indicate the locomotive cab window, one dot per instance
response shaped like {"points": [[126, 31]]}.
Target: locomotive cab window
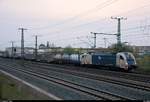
{"points": [[82, 56], [121, 58], [129, 57]]}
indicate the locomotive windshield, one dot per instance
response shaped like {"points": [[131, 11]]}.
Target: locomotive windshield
{"points": [[130, 58]]}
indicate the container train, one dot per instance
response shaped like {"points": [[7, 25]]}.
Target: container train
{"points": [[120, 61]]}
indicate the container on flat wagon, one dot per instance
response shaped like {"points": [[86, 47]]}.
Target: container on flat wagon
{"points": [[75, 59]]}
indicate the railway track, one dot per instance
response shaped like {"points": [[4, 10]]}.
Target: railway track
{"points": [[41, 68], [92, 92], [132, 76], [120, 81], [98, 71]]}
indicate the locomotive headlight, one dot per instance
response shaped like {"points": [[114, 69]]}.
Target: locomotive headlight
{"points": [[135, 62], [126, 65]]}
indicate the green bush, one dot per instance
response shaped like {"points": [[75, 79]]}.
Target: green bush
{"points": [[121, 48], [144, 63]]}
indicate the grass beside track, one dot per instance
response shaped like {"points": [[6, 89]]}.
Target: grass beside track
{"points": [[11, 90]]}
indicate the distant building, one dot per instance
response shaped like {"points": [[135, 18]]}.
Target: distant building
{"points": [[17, 51], [42, 46], [47, 46], [141, 50], [1, 53]]}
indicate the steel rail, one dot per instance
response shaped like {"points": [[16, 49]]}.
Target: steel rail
{"points": [[87, 90], [120, 81], [78, 75]]}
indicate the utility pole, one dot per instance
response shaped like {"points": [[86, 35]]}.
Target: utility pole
{"points": [[36, 45], [48, 45], [36, 49], [105, 41], [94, 40], [22, 42], [101, 34], [12, 48], [119, 28]]}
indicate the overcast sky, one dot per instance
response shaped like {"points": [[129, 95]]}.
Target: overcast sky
{"points": [[69, 22]]}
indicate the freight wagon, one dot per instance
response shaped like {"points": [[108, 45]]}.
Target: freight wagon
{"points": [[67, 59]]}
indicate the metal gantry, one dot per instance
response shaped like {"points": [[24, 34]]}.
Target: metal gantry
{"points": [[118, 34], [101, 34]]}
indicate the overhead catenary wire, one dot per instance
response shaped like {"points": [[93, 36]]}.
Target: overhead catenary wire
{"points": [[85, 13], [141, 40], [71, 38], [131, 29], [78, 25], [130, 11], [126, 29], [87, 23], [65, 39]]}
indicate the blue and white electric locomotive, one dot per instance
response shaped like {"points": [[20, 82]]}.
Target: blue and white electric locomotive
{"points": [[123, 60]]}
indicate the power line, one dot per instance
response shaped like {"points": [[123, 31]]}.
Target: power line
{"points": [[135, 35], [136, 9], [85, 42], [97, 20], [127, 29], [98, 7], [114, 15], [80, 25], [69, 38], [85, 24], [139, 39]]}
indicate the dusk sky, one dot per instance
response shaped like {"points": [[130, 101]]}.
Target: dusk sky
{"points": [[69, 22]]}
